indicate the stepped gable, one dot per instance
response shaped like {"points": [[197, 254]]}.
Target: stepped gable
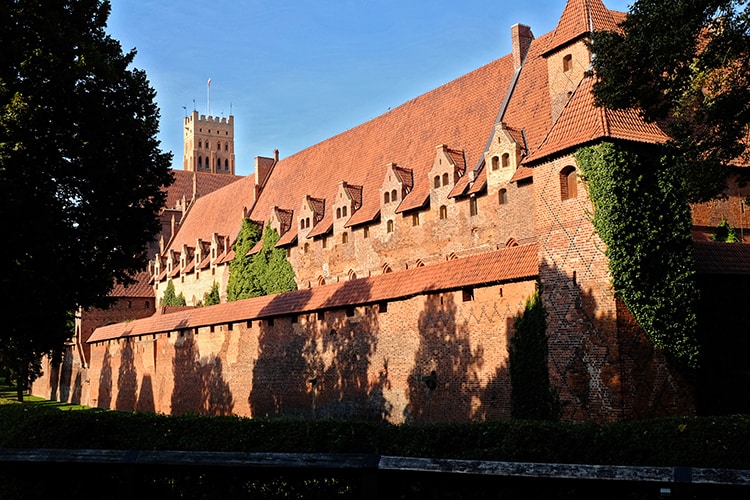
{"points": [[580, 18], [217, 212], [205, 183], [581, 122], [460, 114], [504, 265]]}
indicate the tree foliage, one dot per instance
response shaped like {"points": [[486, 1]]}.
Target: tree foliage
{"points": [[686, 66], [170, 297], [641, 214], [266, 272], [212, 298], [81, 169], [531, 393]]}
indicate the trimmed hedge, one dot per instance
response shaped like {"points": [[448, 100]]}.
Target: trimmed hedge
{"points": [[722, 442]]}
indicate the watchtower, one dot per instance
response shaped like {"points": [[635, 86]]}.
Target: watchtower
{"points": [[209, 144]]}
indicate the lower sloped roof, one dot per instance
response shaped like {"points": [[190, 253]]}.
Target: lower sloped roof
{"points": [[504, 265]]}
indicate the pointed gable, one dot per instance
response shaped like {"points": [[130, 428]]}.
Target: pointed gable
{"points": [[580, 18], [581, 122]]}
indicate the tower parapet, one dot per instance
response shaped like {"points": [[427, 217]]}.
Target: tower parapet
{"points": [[209, 144]]}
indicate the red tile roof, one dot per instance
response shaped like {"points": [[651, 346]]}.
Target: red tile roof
{"points": [[507, 264], [461, 113], [722, 258], [529, 109], [141, 287], [582, 122], [205, 183], [579, 18], [217, 212]]}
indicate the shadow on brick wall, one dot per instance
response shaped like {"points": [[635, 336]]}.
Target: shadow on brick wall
{"points": [[104, 396], [199, 385], [318, 366], [127, 383], [444, 382], [602, 365]]}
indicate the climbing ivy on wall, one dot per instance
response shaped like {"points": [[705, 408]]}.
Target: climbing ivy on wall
{"points": [[532, 396], [241, 284], [264, 273], [642, 215]]}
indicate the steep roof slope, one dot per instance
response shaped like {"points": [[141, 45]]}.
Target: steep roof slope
{"points": [[205, 182], [460, 114], [217, 212], [581, 122], [579, 18]]}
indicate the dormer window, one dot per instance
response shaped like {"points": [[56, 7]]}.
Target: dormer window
{"points": [[568, 63], [495, 163], [343, 211], [506, 160], [394, 196], [437, 181], [386, 197], [445, 179], [338, 213]]}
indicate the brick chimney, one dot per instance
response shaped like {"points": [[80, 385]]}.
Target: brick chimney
{"points": [[521, 37]]}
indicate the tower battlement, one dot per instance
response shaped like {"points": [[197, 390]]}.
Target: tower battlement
{"points": [[209, 144]]}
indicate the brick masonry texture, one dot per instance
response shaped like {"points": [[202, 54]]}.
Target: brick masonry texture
{"points": [[371, 361], [415, 239]]}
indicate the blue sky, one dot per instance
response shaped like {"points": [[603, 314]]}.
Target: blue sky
{"points": [[294, 73]]}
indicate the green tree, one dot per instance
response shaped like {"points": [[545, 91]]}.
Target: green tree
{"points": [[81, 170], [170, 298], [241, 283], [532, 396], [212, 298], [686, 66]]}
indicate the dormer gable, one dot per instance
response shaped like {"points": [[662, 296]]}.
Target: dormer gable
{"points": [[503, 155], [186, 256], [311, 212], [448, 167], [348, 200], [173, 262], [398, 183], [281, 219], [217, 247]]}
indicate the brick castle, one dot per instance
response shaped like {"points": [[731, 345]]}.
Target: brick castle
{"points": [[416, 238]]}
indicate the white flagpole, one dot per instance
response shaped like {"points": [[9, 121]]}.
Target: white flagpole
{"points": [[209, 97]]}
